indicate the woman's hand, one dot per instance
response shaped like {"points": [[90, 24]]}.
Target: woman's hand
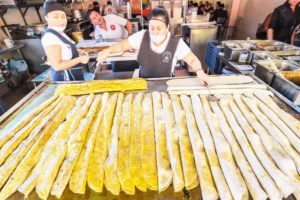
{"points": [[82, 52], [203, 77], [102, 55], [84, 59]]}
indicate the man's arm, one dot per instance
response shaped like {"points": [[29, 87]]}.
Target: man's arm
{"points": [[273, 24], [129, 27], [270, 34]]}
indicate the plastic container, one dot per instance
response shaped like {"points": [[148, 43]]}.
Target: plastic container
{"points": [[211, 59]]}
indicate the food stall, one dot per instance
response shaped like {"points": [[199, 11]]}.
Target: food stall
{"points": [[116, 136]]}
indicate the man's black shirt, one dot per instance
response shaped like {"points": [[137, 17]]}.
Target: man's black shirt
{"points": [[283, 21]]}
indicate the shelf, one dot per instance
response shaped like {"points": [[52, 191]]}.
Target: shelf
{"points": [[15, 47]]}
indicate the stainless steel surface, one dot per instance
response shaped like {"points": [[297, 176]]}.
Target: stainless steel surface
{"points": [[278, 95], [232, 52], [39, 29], [287, 88], [77, 14], [198, 38]]}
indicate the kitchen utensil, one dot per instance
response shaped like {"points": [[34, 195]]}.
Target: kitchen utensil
{"points": [[211, 97]]}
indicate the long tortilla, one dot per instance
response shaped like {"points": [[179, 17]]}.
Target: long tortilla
{"points": [[289, 120], [78, 179], [19, 136], [165, 175], [149, 170], [111, 181], [215, 80], [231, 173], [209, 147], [135, 156], [101, 149], [173, 144], [208, 189], [38, 138], [74, 144], [187, 158], [23, 169], [274, 131], [257, 193], [9, 133], [68, 129], [126, 181]]}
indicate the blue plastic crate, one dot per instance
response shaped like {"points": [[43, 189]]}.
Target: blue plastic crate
{"points": [[211, 59]]}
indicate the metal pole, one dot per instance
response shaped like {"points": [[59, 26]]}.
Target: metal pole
{"points": [[142, 17]]}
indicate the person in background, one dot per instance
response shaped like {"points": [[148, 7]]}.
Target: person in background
{"points": [[96, 6], [65, 61], [283, 20], [109, 9], [190, 4], [158, 50], [201, 10], [219, 13], [112, 27], [262, 30], [200, 3], [210, 8], [206, 5], [109, 26]]}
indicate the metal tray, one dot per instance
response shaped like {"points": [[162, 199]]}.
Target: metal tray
{"points": [[287, 89], [232, 51], [282, 65], [264, 43], [263, 73], [295, 52], [261, 55], [293, 58]]}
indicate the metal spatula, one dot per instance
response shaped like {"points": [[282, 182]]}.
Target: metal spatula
{"points": [[210, 96], [98, 67]]}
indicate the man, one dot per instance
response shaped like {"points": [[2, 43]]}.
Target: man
{"points": [[109, 9], [113, 27], [284, 18], [96, 6], [219, 13], [109, 26]]}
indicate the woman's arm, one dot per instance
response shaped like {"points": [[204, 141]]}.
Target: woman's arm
{"points": [[119, 47], [53, 53], [195, 63]]}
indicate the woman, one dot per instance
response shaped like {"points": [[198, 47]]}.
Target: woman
{"points": [[61, 52], [158, 50], [201, 10], [283, 19]]}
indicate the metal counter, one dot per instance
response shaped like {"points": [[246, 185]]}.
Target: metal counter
{"points": [[44, 92]]}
